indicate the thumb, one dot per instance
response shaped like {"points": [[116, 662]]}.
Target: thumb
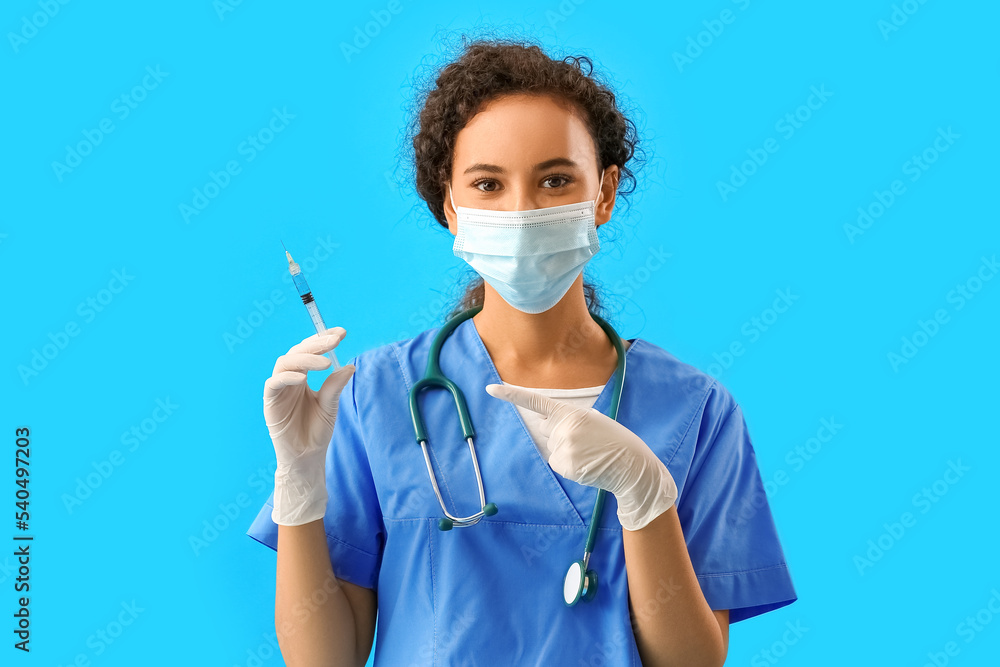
{"points": [[329, 393]]}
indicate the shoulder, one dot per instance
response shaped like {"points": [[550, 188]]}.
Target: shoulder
{"points": [[395, 361], [665, 376], [678, 409]]}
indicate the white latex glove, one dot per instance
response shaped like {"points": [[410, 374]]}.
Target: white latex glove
{"points": [[590, 448], [300, 422]]}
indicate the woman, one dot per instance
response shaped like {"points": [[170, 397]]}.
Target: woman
{"points": [[520, 157]]}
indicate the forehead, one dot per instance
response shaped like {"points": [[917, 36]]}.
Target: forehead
{"points": [[516, 130]]}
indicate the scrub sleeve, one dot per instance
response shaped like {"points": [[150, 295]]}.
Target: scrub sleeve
{"points": [[724, 513], [353, 524]]}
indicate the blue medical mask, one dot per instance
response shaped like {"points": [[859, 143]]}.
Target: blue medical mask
{"points": [[531, 258]]}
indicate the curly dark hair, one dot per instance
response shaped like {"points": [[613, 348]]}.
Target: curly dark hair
{"points": [[488, 68]]}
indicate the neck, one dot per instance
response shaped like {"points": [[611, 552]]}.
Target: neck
{"points": [[561, 348]]}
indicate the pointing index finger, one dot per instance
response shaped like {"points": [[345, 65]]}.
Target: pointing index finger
{"points": [[526, 399]]}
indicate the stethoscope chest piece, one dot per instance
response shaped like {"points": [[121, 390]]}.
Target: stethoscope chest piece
{"points": [[579, 584]]}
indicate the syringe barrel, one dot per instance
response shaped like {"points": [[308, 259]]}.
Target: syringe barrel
{"points": [[301, 285], [317, 321]]}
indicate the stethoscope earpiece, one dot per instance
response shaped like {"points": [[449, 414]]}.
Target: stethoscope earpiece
{"points": [[445, 523]]}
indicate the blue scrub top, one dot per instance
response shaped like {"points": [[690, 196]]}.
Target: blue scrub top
{"points": [[495, 590]]}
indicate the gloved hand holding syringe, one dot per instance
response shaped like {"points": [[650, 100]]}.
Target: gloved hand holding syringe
{"points": [[299, 420], [307, 299]]}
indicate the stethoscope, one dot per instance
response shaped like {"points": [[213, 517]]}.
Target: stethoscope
{"points": [[580, 583]]}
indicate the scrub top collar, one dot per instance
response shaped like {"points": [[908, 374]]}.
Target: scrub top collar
{"points": [[578, 499], [603, 401]]}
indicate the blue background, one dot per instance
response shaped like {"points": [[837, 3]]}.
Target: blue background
{"points": [[330, 185]]}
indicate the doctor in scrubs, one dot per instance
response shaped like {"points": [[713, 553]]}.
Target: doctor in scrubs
{"points": [[520, 157]]}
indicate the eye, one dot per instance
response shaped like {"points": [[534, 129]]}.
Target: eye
{"points": [[483, 181], [562, 179]]}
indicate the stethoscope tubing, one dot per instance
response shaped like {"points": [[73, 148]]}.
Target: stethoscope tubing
{"points": [[434, 377]]}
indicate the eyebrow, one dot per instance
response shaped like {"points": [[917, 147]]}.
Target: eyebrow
{"points": [[497, 169]]}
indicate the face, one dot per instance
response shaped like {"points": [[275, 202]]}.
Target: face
{"points": [[522, 152]]}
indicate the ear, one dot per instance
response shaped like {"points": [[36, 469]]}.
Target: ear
{"points": [[449, 213], [607, 199]]}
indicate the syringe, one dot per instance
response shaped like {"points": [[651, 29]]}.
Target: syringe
{"points": [[307, 299]]}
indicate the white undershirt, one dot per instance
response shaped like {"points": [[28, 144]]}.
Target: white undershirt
{"points": [[582, 397]]}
